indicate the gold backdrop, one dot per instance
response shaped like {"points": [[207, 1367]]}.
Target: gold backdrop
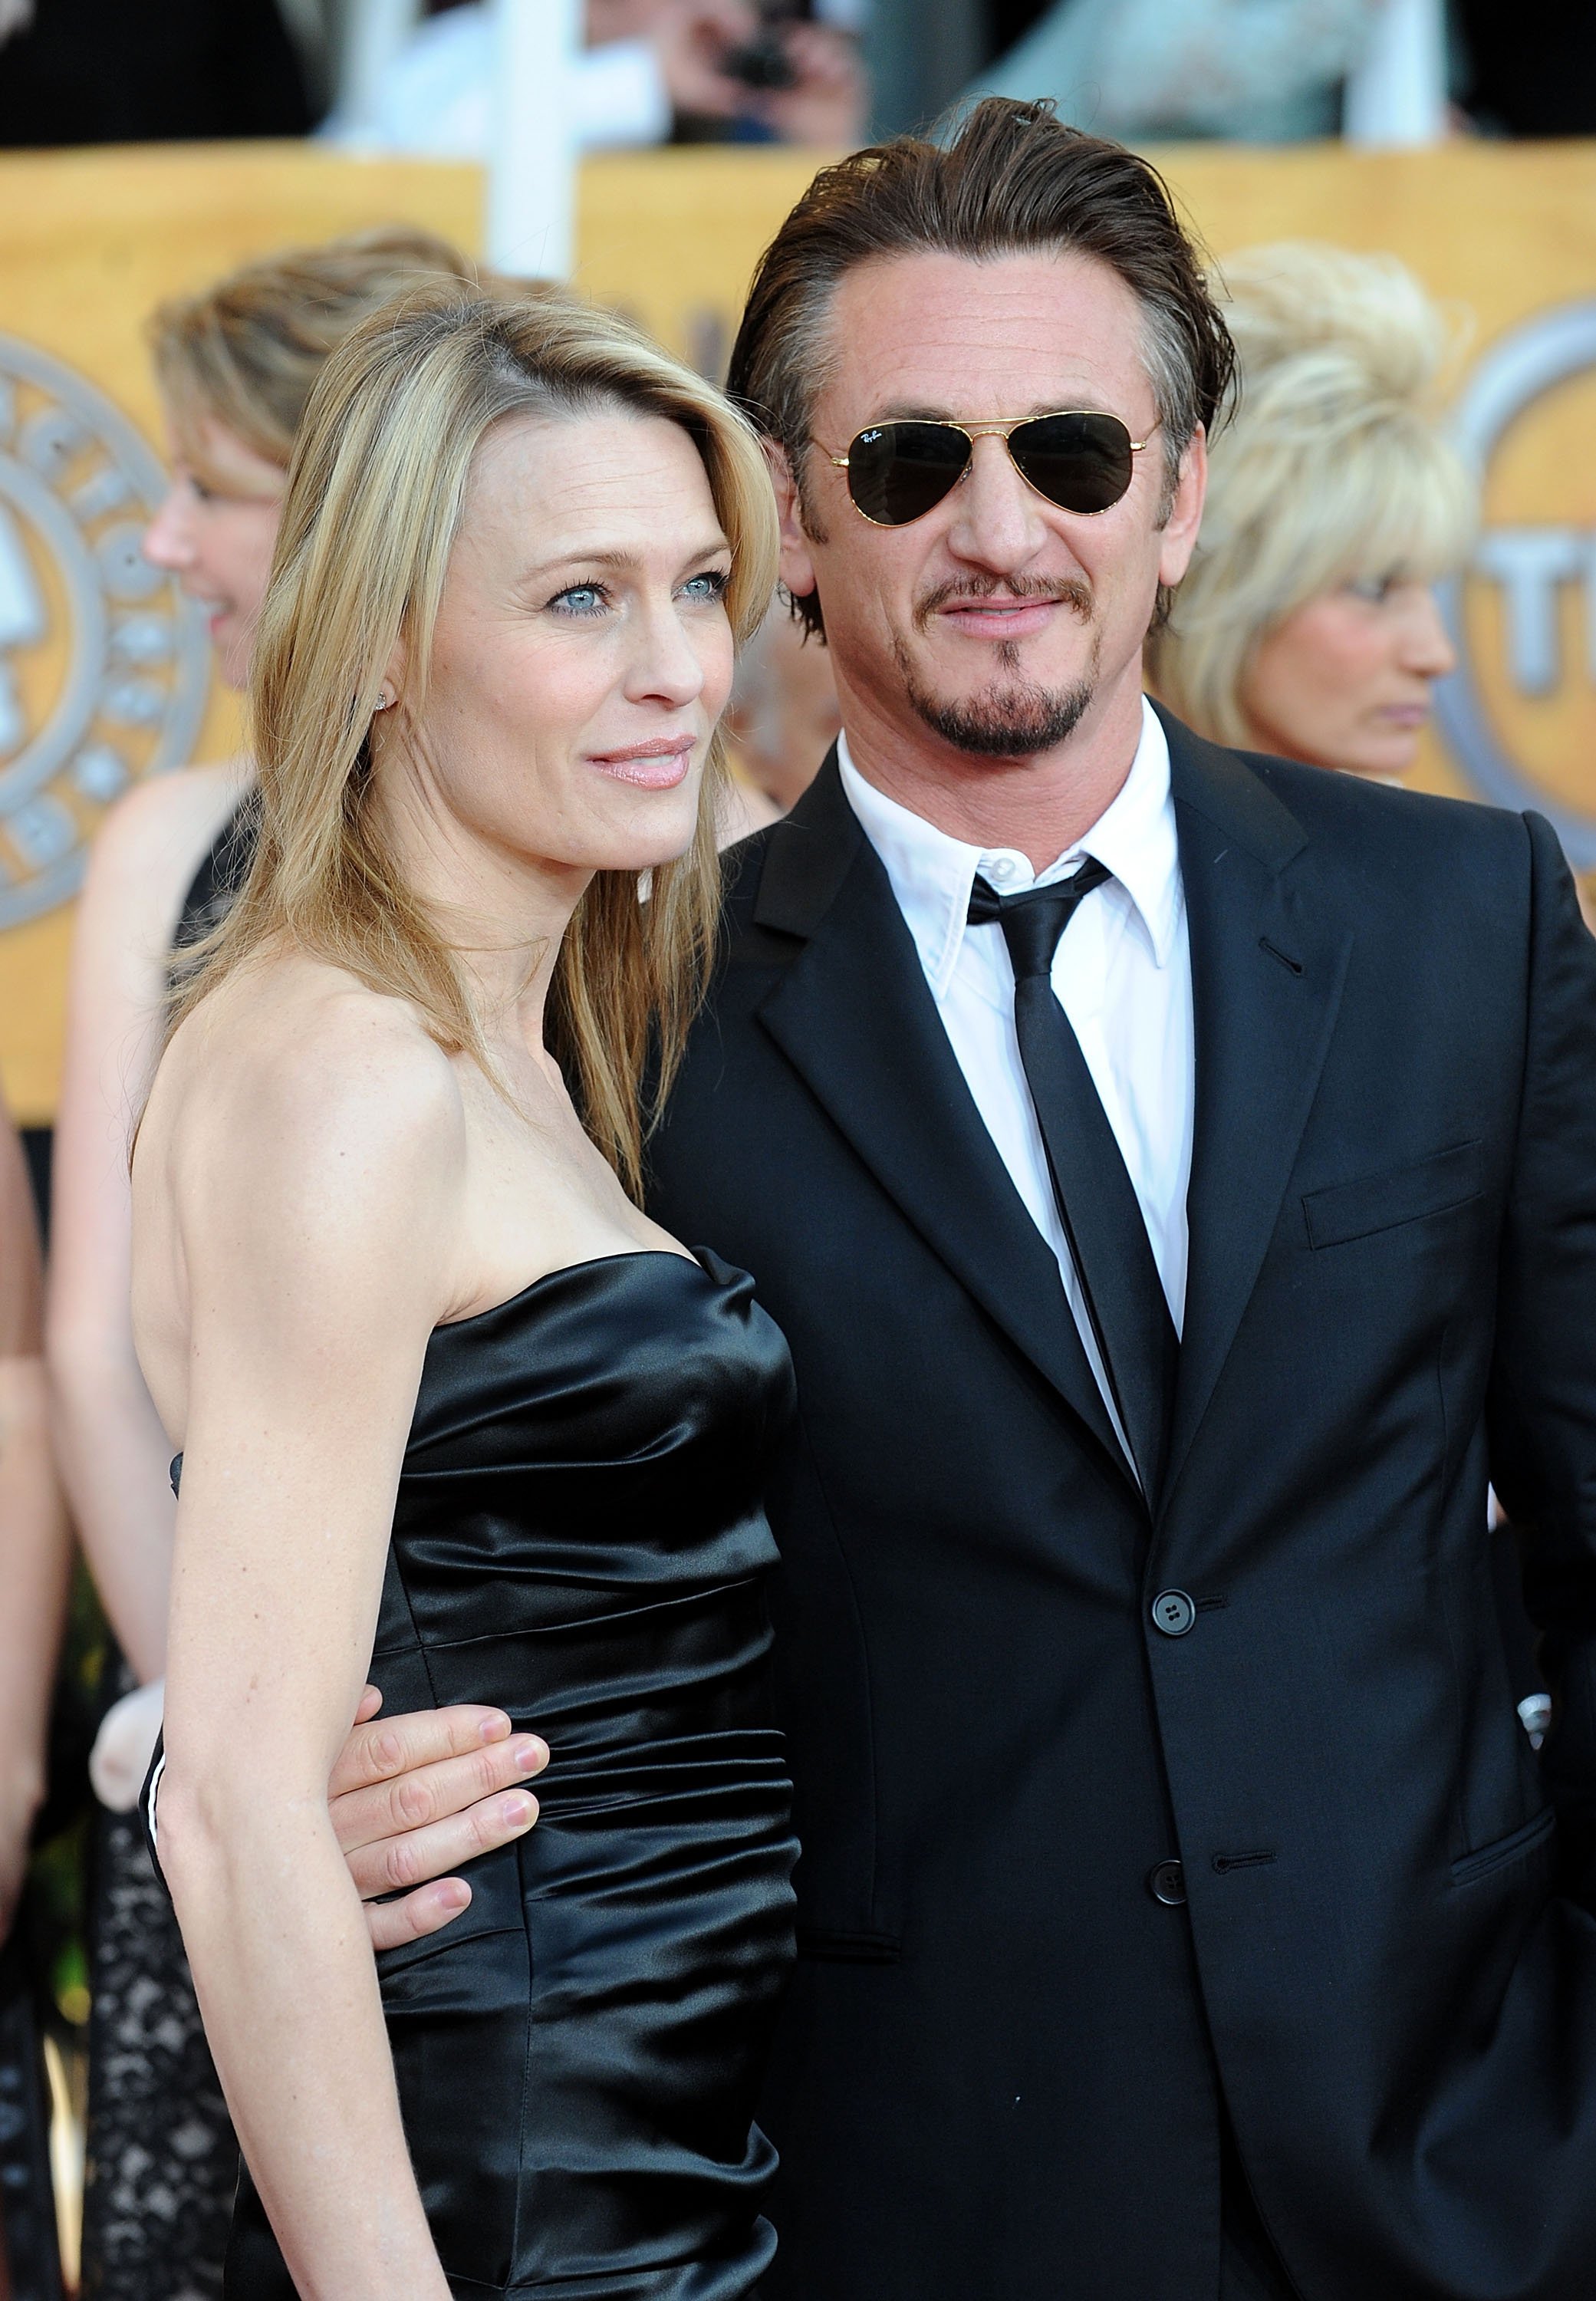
{"points": [[103, 673]]}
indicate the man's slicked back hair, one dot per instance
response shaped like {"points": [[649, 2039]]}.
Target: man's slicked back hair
{"points": [[1013, 179]]}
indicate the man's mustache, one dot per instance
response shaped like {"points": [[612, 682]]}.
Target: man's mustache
{"points": [[1069, 591]]}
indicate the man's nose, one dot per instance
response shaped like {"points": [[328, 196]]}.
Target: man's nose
{"points": [[167, 541], [997, 520]]}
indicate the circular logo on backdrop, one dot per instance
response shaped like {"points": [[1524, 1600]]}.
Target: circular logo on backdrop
{"points": [[1520, 711], [104, 663]]}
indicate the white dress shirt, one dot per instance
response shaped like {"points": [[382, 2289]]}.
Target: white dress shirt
{"points": [[1122, 972]]}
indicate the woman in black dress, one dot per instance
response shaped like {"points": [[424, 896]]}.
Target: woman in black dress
{"points": [[236, 362], [444, 1394]]}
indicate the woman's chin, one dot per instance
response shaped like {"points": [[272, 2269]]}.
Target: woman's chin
{"points": [[1387, 758], [233, 654], [646, 830]]}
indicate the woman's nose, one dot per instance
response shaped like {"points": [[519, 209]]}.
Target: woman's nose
{"points": [[1427, 647], [667, 666], [168, 541]]}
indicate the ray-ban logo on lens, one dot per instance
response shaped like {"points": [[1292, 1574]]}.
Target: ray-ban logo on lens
{"points": [[104, 663], [1520, 711]]}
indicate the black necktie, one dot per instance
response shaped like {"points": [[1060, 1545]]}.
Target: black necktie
{"points": [[1102, 1219]]}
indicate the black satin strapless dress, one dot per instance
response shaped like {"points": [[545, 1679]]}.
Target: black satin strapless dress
{"points": [[579, 1539]]}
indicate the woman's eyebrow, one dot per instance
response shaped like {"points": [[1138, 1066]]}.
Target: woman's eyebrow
{"points": [[617, 557]]}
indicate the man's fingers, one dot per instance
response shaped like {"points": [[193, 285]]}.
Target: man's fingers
{"points": [[414, 1800], [370, 1702], [378, 1750], [424, 1912], [390, 1864]]}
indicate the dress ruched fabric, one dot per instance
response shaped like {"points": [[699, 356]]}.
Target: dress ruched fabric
{"points": [[579, 1539]]}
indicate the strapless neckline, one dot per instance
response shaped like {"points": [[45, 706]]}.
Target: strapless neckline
{"points": [[694, 1261], [699, 1262]]}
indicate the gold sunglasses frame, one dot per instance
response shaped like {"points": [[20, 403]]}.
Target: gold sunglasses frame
{"points": [[1001, 427]]}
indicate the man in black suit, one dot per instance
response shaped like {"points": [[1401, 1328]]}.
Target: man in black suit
{"points": [[1183, 1912]]}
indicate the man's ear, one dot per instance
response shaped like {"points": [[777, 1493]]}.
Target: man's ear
{"points": [[1178, 538], [797, 564]]}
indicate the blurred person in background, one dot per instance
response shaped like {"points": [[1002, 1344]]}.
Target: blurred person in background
{"points": [[35, 1561], [1278, 70], [35, 1546], [1307, 624], [99, 71], [1262, 70], [650, 68], [236, 364], [784, 716]]}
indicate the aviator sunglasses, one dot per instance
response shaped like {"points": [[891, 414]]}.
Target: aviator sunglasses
{"points": [[1080, 460]]}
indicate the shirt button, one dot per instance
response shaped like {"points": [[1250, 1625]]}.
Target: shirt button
{"points": [[1174, 1613], [1166, 1883], [1002, 868]]}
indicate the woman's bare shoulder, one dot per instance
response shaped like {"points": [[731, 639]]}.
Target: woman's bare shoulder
{"points": [[303, 1048], [301, 1117], [179, 809], [156, 836]]}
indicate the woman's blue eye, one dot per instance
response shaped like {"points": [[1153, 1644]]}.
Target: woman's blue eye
{"points": [[1374, 589], [581, 600], [710, 586]]}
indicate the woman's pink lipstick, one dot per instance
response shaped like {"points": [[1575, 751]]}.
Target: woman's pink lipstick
{"points": [[658, 766]]}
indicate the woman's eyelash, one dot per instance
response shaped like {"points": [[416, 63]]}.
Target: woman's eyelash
{"points": [[597, 592], [597, 595]]}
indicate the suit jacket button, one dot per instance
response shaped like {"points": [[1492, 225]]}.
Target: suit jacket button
{"points": [[1174, 1613], [1167, 1884]]}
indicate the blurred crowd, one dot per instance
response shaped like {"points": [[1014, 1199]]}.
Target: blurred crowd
{"points": [[411, 75]]}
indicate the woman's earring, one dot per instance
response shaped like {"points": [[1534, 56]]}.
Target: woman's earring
{"points": [[384, 699]]}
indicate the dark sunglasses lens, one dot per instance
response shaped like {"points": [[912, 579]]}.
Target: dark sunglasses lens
{"points": [[1080, 462], [898, 471]]}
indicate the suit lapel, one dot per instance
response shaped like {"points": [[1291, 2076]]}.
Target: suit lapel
{"points": [[855, 1017], [1266, 976]]}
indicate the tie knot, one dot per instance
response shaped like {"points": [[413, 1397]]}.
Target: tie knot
{"points": [[1033, 922]]}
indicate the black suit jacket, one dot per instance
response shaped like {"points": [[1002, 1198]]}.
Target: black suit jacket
{"points": [[1005, 2059]]}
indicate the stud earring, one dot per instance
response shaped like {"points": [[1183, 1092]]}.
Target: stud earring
{"points": [[384, 699]]}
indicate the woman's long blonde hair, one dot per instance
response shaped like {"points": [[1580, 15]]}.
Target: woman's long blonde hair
{"points": [[1332, 469], [376, 490]]}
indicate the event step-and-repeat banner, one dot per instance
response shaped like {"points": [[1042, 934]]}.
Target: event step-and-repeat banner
{"points": [[105, 669]]}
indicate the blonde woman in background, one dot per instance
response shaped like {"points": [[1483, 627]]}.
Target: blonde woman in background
{"points": [[442, 1392], [1307, 625], [236, 364]]}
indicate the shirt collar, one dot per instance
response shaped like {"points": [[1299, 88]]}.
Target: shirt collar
{"points": [[931, 873]]}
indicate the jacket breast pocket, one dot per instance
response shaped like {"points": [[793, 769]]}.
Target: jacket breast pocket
{"points": [[1401, 1195]]}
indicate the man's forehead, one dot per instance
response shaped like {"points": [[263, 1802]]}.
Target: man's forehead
{"points": [[933, 334]]}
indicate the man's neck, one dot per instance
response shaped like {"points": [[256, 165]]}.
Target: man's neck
{"points": [[1040, 806]]}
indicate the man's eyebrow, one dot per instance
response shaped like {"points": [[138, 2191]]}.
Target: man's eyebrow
{"points": [[906, 411]]}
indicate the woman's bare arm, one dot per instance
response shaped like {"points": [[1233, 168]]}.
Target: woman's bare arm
{"points": [[35, 1544], [316, 1202], [112, 1448]]}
